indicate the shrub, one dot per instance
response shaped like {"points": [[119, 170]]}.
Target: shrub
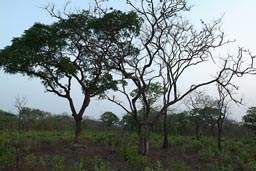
{"points": [[207, 154], [130, 154], [180, 166]]}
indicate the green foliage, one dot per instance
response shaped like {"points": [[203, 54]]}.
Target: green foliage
{"points": [[250, 119], [219, 167], [179, 123], [128, 122], [7, 120], [101, 165], [91, 164], [42, 50], [246, 161], [30, 160], [197, 144], [153, 92], [109, 119], [207, 154], [55, 162], [135, 160], [180, 166]]}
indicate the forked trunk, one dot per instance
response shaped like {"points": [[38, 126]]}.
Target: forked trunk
{"points": [[143, 146], [78, 130]]}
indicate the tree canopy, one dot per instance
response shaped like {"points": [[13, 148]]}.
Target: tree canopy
{"points": [[73, 50], [250, 119]]}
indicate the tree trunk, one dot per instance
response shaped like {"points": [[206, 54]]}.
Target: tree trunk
{"points": [[166, 143], [143, 140], [143, 145], [197, 131], [78, 130], [219, 135]]}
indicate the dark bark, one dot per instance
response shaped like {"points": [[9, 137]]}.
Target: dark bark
{"points": [[219, 125], [143, 146], [166, 143], [78, 117], [197, 130], [78, 130]]}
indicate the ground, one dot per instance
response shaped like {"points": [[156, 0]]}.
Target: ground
{"points": [[102, 152]]}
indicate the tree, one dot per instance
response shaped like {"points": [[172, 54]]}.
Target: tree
{"points": [[20, 104], [202, 109], [250, 119], [223, 103], [168, 47], [180, 123], [31, 117], [128, 122], [210, 115], [73, 50], [109, 119]]}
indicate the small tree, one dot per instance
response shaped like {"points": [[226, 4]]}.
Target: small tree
{"points": [[20, 103], [223, 102], [250, 119], [202, 109], [109, 119], [128, 122]]}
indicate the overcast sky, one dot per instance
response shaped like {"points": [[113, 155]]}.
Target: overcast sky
{"points": [[239, 23]]}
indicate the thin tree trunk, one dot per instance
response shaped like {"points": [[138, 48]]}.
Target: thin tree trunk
{"points": [[78, 130], [143, 145], [143, 140], [219, 135], [166, 143], [197, 131]]}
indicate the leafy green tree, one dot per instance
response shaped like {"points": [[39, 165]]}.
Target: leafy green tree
{"points": [[109, 119], [180, 123], [128, 122], [73, 50], [250, 119], [30, 118]]}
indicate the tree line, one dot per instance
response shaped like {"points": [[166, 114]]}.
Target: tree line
{"points": [[178, 123]]}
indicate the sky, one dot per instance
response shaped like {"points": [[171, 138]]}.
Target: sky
{"points": [[16, 16]]}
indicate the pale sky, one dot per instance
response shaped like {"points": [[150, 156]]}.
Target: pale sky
{"points": [[239, 23]]}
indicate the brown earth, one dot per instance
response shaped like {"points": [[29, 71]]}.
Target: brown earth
{"points": [[89, 150]]}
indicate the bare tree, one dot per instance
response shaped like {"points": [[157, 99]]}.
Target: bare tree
{"points": [[20, 103], [169, 47], [202, 109], [223, 104]]}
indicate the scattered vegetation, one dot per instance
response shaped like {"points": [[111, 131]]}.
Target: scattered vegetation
{"points": [[112, 148]]}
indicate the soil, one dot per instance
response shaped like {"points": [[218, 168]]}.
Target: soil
{"points": [[73, 153]]}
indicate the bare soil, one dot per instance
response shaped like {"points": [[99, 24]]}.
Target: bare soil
{"points": [[73, 153]]}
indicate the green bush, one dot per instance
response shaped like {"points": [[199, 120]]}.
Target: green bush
{"points": [[207, 154], [245, 161], [130, 154], [9, 147], [180, 166]]}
